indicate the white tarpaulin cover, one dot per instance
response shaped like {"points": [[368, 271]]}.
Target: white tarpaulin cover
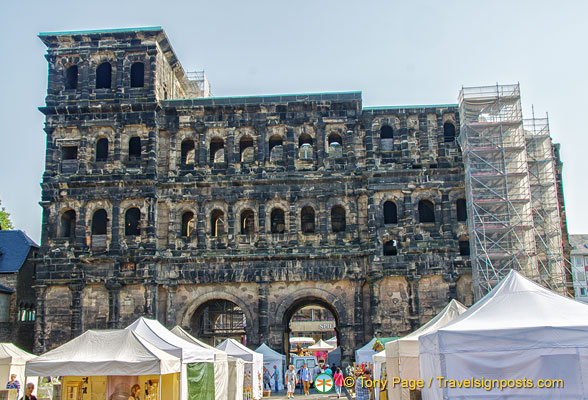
{"points": [[236, 373], [271, 358], [103, 353], [402, 354], [12, 361], [518, 330], [255, 369], [378, 360], [222, 382], [162, 338]]}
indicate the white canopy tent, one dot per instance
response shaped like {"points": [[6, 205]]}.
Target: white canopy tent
{"points": [[378, 359], [253, 363], [12, 361], [222, 379], [402, 355], [103, 353], [364, 354], [158, 335], [271, 358], [321, 345], [518, 330]]}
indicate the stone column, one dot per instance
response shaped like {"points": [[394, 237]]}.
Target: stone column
{"points": [[170, 314], [201, 226], [263, 293], [290, 149], [76, 308], [115, 226], [151, 300], [151, 154], [40, 322], [413, 302], [113, 286], [375, 306], [358, 315], [151, 225]]}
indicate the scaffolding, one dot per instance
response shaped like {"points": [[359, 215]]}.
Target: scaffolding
{"points": [[510, 226], [199, 84]]}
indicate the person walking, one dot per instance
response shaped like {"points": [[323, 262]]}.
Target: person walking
{"points": [[338, 378], [277, 378], [267, 380], [13, 384], [291, 381], [299, 374], [305, 378], [328, 370]]}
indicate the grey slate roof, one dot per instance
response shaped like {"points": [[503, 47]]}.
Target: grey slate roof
{"points": [[14, 249]]}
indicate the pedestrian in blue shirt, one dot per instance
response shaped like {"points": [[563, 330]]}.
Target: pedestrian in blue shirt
{"points": [[362, 391], [13, 384], [305, 378]]}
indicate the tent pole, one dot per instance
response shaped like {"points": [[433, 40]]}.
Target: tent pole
{"points": [[159, 387]]}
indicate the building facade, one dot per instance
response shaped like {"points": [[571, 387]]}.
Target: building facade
{"points": [[18, 253], [579, 259], [228, 215]]}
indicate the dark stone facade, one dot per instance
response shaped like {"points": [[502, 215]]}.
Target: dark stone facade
{"points": [[239, 159]]}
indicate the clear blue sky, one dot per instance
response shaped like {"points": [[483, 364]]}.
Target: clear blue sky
{"points": [[395, 52]]}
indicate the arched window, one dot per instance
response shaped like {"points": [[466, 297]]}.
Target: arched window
{"points": [[102, 150], [133, 222], [390, 213], [71, 77], [305, 138], [464, 247], [462, 213], [103, 76], [216, 145], [217, 223], [390, 248], [386, 132], [338, 223], [99, 222], [448, 132], [138, 74], [247, 223], [187, 151], [335, 145], [278, 224], [135, 148], [305, 151], [275, 140], [387, 138], [307, 219], [426, 211], [187, 223], [67, 224], [246, 150]]}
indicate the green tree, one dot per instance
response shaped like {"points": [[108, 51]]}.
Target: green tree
{"points": [[5, 222]]}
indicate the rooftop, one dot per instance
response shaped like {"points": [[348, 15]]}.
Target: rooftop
{"points": [[14, 249], [579, 244]]}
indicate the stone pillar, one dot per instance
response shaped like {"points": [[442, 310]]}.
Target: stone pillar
{"points": [[375, 307], [230, 226], [263, 293], [413, 302], [76, 308], [290, 149], [40, 322], [150, 300], [151, 224], [170, 314], [151, 154], [358, 314], [201, 226], [113, 286]]}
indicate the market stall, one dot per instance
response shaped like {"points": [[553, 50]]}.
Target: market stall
{"points": [[222, 376], [253, 366], [108, 364], [197, 378], [272, 358], [12, 361], [519, 330], [402, 355]]}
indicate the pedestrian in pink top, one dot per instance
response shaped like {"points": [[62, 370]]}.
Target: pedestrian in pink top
{"points": [[338, 377]]}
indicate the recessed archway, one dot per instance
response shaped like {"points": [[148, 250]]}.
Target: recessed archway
{"points": [[217, 320], [310, 316]]}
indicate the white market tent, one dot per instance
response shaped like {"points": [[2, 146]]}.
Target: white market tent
{"points": [[378, 359], [321, 345], [271, 358], [518, 330], [195, 360], [364, 354], [222, 378], [332, 341], [12, 361], [402, 355], [103, 353], [253, 363]]}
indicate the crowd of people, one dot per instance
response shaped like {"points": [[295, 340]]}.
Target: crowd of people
{"points": [[13, 383]]}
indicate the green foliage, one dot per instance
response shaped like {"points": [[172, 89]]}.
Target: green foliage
{"points": [[5, 222]]}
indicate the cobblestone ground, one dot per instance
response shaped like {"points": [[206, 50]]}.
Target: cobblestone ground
{"points": [[313, 395]]}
